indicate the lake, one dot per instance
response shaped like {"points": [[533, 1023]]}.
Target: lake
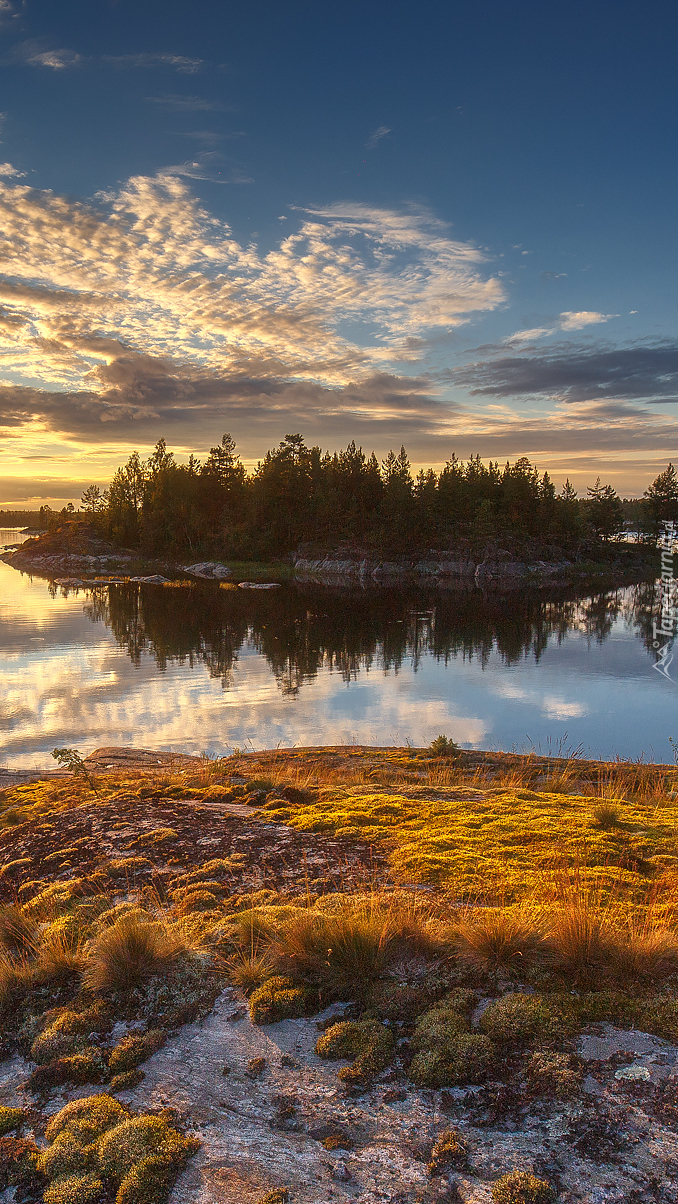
{"points": [[207, 670]]}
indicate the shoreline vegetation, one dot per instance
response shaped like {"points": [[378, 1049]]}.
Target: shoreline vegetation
{"points": [[451, 931], [344, 517]]}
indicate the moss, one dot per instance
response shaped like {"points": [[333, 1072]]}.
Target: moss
{"points": [[367, 1042], [256, 1067], [449, 1150], [129, 1052], [149, 1181], [10, 1119], [279, 1195], [467, 1058], [278, 999], [197, 900], [123, 867], [515, 1019], [127, 1080], [64, 1156], [552, 1074], [521, 1188], [87, 1119], [53, 1044], [74, 1189], [437, 1027], [136, 1139], [79, 1068]]}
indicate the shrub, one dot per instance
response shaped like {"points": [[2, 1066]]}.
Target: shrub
{"points": [[467, 1058], [74, 1189], [129, 1052], [516, 1018], [10, 1118], [438, 1026], [87, 1119], [367, 1042], [131, 950], [449, 1150], [341, 953], [606, 816], [520, 1188], [18, 933], [442, 746], [499, 940], [197, 900], [278, 999], [53, 1044], [18, 1163]]}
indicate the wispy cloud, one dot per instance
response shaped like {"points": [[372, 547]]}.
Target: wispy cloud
{"points": [[7, 170], [377, 135], [36, 53], [569, 320], [178, 62], [188, 104]]}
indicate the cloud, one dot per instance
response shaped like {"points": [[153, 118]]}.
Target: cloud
{"points": [[7, 170], [585, 317], [37, 54], [645, 372], [377, 135], [205, 168], [177, 62], [567, 321], [188, 104]]}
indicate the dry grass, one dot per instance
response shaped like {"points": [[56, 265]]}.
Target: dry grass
{"points": [[18, 932], [132, 949], [510, 940]]}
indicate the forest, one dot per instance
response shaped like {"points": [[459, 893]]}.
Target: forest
{"points": [[301, 498]]}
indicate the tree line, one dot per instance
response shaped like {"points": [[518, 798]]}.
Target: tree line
{"points": [[300, 496]]}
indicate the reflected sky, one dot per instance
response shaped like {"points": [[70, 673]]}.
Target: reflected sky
{"points": [[207, 670]]}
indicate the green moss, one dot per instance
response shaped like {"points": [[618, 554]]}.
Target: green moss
{"points": [[520, 1188], [10, 1118], [136, 1139], [552, 1074], [467, 1058], [149, 1182], [65, 1156], [278, 999], [79, 1068], [127, 1080], [367, 1042], [87, 1119], [129, 1052], [515, 1019], [74, 1189]]}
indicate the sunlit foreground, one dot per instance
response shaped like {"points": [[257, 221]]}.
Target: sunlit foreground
{"points": [[408, 884]]}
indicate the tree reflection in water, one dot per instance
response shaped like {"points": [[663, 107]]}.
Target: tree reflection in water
{"points": [[301, 630]]}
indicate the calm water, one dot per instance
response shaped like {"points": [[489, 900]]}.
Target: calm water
{"points": [[209, 669]]}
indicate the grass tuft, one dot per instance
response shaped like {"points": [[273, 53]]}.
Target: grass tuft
{"points": [[128, 952]]}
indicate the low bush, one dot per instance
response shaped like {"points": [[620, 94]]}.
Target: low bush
{"points": [[519, 1187], [18, 1164], [515, 1019], [367, 1042], [130, 1051], [10, 1119], [579, 944], [278, 999], [127, 1080], [552, 1074], [449, 1150]]}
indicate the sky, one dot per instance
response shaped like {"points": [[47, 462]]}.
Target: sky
{"points": [[450, 226]]}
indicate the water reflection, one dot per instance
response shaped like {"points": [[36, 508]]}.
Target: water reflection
{"points": [[205, 668]]}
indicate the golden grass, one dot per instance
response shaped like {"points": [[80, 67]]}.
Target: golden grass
{"points": [[130, 950]]}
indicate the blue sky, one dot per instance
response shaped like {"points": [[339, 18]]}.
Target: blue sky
{"points": [[449, 225]]}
